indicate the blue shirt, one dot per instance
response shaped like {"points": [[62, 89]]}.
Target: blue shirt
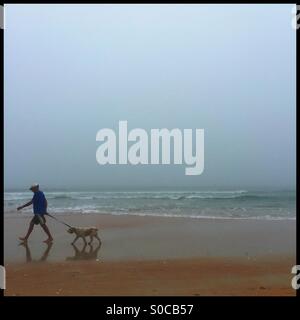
{"points": [[39, 203]]}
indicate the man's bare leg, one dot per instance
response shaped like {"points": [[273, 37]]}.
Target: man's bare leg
{"points": [[31, 226], [45, 228]]}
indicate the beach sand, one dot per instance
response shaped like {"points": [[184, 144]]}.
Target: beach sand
{"points": [[152, 256]]}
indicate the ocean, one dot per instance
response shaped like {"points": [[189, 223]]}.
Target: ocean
{"points": [[213, 204]]}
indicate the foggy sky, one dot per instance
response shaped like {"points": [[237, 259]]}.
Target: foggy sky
{"points": [[72, 70]]}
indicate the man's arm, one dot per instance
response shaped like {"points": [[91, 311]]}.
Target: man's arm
{"points": [[25, 205]]}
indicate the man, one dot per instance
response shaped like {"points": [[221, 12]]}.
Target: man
{"points": [[39, 203]]}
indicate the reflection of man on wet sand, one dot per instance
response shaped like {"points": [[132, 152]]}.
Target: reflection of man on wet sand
{"points": [[42, 258], [83, 254]]}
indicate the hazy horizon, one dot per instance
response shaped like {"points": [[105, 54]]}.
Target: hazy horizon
{"points": [[71, 70], [141, 188]]}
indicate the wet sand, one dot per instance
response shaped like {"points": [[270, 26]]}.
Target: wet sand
{"points": [[152, 256]]}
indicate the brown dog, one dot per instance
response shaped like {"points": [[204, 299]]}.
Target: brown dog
{"points": [[85, 232]]}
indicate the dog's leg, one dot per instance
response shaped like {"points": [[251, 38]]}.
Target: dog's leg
{"points": [[76, 250], [83, 248], [83, 237], [91, 239], [96, 236], [76, 238]]}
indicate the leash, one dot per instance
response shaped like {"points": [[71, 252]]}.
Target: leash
{"points": [[48, 214]]}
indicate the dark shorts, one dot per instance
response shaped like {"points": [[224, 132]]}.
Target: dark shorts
{"points": [[38, 219]]}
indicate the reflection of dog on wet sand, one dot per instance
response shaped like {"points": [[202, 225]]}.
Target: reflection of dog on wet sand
{"points": [[91, 232], [91, 254]]}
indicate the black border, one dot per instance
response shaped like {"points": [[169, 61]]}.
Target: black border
{"points": [[201, 304]]}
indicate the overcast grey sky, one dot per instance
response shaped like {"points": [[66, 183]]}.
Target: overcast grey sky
{"points": [[72, 70]]}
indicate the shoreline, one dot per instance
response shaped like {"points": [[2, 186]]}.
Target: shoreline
{"points": [[14, 214]]}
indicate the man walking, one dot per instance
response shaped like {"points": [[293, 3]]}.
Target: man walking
{"points": [[39, 203]]}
